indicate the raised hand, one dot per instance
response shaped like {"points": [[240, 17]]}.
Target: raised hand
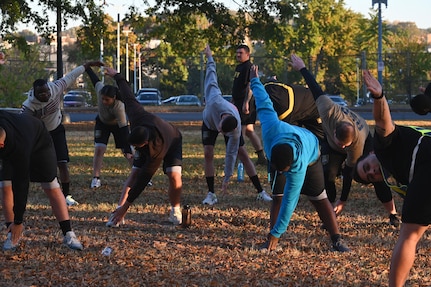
{"points": [[110, 71], [372, 83], [208, 53], [93, 64], [297, 62], [254, 71]]}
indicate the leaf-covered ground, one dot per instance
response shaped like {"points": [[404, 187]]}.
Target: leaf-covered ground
{"points": [[220, 247]]}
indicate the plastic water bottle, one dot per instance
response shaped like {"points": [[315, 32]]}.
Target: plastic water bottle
{"points": [[186, 216], [107, 251], [240, 172]]}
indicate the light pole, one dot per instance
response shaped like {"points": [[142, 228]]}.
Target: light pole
{"points": [[357, 80], [380, 64], [118, 42], [140, 70], [134, 67], [127, 31]]}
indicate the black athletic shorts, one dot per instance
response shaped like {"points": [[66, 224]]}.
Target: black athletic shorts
{"points": [[58, 136], [314, 182], [247, 119], [102, 132], [209, 137]]}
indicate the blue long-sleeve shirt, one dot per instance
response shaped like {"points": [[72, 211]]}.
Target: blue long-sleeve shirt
{"points": [[305, 147]]}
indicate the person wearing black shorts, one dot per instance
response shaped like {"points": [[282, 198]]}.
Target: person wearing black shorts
{"points": [[220, 116], [294, 151], [242, 98], [27, 154], [156, 142], [405, 153], [111, 119], [44, 102], [346, 134], [295, 105]]}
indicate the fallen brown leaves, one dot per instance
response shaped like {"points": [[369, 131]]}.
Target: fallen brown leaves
{"points": [[218, 250]]}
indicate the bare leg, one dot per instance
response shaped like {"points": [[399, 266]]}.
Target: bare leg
{"points": [[209, 160], [327, 215], [175, 187], [404, 253], [249, 167], [58, 203], [99, 151]]}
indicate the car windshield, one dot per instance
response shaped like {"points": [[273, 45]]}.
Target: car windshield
{"points": [[148, 96], [74, 98]]}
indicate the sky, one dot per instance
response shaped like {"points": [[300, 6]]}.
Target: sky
{"points": [[402, 10], [416, 11]]}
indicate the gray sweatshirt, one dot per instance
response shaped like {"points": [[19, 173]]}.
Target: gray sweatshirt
{"points": [[50, 112], [215, 107]]}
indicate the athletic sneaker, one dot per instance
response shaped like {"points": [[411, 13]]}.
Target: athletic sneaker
{"points": [[394, 220], [95, 182], [263, 195], [71, 241], [7, 245], [70, 201], [110, 223], [211, 198], [339, 246], [175, 216]]}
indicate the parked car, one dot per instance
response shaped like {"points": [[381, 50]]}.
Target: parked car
{"points": [[169, 101], [149, 96], [84, 93], [227, 98], [338, 99], [187, 100], [75, 100]]}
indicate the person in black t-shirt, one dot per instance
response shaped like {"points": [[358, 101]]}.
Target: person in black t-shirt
{"points": [[405, 153], [27, 154], [242, 98]]}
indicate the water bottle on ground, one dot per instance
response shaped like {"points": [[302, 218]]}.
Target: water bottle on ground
{"points": [[240, 172], [186, 216]]}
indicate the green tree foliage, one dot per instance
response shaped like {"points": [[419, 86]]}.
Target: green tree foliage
{"points": [[15, 81]]}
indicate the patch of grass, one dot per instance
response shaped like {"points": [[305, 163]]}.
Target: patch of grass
{"points": [[218, 249]]}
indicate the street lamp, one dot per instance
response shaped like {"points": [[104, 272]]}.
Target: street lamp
{"points": [[357, 80], [380, 64], [127, 31], [118, 42], [134, 67]]}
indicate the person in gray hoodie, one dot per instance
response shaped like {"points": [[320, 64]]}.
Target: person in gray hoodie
{"points": [[44, 103], [220, 116]]}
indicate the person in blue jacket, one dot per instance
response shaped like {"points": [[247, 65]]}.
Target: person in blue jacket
{"points": [[295, 152]]}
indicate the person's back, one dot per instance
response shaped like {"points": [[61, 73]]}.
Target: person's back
{"points": [[295, 104]]}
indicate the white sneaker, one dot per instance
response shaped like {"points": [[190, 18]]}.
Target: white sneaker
{"points": [[71, 241], [70, 201], [111, 223], [264, 196], [176, 217], [211, 199], [7, 245], [95, 182]]}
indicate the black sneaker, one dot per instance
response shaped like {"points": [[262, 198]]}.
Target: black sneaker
{"points": [[394, 220], [339, 246]]}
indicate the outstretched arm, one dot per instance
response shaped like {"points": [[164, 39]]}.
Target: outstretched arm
{"points": [[381, 112], [298, 65]]}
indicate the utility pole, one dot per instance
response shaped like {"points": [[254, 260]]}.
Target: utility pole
{"points": [[59, 44], [380, 64]]}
